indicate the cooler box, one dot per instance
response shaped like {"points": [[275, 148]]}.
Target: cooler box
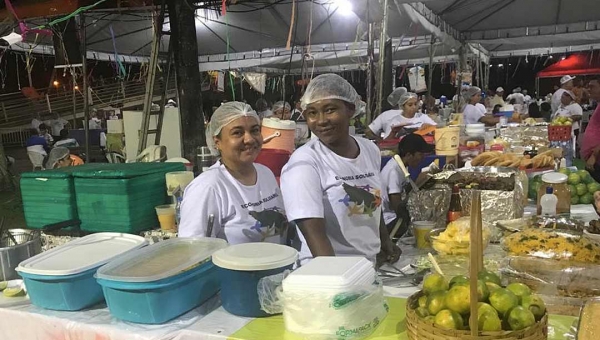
{"points": [[63, 278], [158, 283], [49, 196], [122, 197]]}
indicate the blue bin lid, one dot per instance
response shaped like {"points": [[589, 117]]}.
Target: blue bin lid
{"points": [[161, 260], [255, 256]]}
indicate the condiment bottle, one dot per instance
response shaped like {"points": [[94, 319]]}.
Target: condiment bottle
{"points": [[455, 210], [558, 183], [549, 202]]}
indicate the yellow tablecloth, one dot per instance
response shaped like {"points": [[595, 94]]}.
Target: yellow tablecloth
{"points": [[392, 328]]}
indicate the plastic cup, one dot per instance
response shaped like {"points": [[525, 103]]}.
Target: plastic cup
{"points": [[421, 229], [166, 217]]}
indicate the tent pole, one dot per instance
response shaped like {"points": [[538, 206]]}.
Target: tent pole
{"points": [[430, 81], [537, 87], [86, 101], [382, 57], [370, 53]]}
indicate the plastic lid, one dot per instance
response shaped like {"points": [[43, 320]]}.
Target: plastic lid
{"points": [[81, 254], [276, 123], [161, 260], [555, 178], [128, 170], [549, 190], [255, 256], [327, 272]]}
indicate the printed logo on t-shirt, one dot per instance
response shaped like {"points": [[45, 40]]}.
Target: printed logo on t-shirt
{"points": [[361, 200], [269, 223]]}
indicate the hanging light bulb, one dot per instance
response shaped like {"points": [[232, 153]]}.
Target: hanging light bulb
{"points": [[55, 83], [76, 87]]}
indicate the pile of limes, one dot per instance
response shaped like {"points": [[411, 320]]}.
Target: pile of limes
{"points": [[447, 303], [581, 185]]}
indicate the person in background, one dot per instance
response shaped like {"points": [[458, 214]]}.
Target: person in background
{"points": [[412, 149], [497, 109], [297, 114], [517, 96], [57, 124], [37, 143], [36, 122], [590, 146], [262, 109], [95, 123], [527, 97], [569, 108], [498, 99], [332, 185], [566, 84], [65, 141], [582, 96], [534, 111], [282, 110], [405, 117], [43, 129], [546, 111], [243, 196], [472, 114]]}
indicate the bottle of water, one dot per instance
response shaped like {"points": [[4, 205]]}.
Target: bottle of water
{"points": [[178, 209], [549, 202]]}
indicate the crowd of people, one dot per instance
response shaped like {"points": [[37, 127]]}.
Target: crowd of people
{"points": [[48, 144]]}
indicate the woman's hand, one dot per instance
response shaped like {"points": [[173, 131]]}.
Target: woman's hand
{"points": [[390, 253], [591, 162]]}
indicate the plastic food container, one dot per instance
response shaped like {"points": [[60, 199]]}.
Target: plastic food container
{"points": [[241, 266], [161, 282], [330, 294], [63, 278]]}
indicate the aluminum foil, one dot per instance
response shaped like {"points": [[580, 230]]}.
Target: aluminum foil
{"points": [[155, 236], [526, 136], [51, 241], [432, 204]]}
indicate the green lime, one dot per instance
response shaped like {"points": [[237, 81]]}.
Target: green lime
{"points": [[487, 276], [519, 289], [434, 283], [3, 285], [564, 171], [574, 200], [535, 304], [574, 179], [448, 319], [492, 286], [585, 176], [484, 308], [422, 312], [483, 292], [573, 190], [503, 300], [520, 318], [581, 189], [458, 279], [423, 301], [593, 187], [458, 299], [14, 292], [586, 199], [436, 302], [489, 322]]}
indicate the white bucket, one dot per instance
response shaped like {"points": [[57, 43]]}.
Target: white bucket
{"points": [[447, 140]]}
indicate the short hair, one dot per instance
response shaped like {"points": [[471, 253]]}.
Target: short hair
{"points": [[64, 133], [545, 107]]}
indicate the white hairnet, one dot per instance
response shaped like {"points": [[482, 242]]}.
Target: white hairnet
{"points": [[56, 154], [394, 97], [405, 97], [281, 105], [330, 86], [224, 115], [470, 92]]}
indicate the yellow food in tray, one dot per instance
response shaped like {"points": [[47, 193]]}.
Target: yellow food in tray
{"points": [[552, 244], [456, 238]]}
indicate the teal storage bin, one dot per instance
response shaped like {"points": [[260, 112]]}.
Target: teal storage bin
{"points": [[123, 197], [49, 196]]}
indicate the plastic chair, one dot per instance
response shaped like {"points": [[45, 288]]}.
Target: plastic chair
{"points": [[115, 157], [152, 154], [37, 160]]}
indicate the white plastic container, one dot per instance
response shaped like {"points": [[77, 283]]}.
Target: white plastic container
{"points": [[330, 295], [63, 278], [158, 283]]}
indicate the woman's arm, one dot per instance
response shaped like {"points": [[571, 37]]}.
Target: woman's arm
{"points": [[314, 232], [371, 135], [489, 120]]}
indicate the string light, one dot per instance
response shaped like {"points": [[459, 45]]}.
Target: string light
{"points": [[56, 83], [76, 88]]}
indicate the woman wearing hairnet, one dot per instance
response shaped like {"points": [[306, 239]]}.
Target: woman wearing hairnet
{"points": [[61, 157], [405, 116], [332, 186], [472, 114], [282, 110], [242, 196]]}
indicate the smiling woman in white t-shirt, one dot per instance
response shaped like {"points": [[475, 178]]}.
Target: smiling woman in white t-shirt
{"points": [[242, 196], [332, 185], [405, 116]]}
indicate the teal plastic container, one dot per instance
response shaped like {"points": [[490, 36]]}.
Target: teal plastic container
{"points": [[122, 198], [161, 282]]}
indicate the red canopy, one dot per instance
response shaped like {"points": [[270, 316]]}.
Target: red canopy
{"points": [[576, 64]]}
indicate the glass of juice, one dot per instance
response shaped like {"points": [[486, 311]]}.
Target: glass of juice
{"points": [[421, 229], [166, 217]]}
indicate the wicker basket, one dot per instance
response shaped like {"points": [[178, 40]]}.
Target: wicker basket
{"points": [[560, 133], [419, 329]]}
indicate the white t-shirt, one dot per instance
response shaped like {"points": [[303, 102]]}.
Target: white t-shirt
{"points": [[346, 193], [386, 121], [419, 119], [570, 110], [555, 102], [393, 180], [56, 125], [67, 143], [518, 97], [95, 124], [35, 124], [242, 213], [481, 108], [471, 114]]}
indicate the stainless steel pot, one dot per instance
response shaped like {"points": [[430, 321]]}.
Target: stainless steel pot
{"points": [[28, 244]]}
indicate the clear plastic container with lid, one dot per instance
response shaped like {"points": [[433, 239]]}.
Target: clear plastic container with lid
{"points": [[558, 183]]}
